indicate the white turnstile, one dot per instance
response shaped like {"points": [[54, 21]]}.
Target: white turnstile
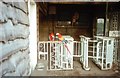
{"points": [[102, 52], [67, 56], [105, 52], [61, 55], [84, 52]]}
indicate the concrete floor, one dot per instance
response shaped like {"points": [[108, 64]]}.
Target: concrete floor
{"points": [[77, 71]]}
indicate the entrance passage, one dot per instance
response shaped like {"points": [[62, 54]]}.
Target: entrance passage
{"points": [[59, 56]]}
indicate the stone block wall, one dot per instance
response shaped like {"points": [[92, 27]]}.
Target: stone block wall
{"points": [[14, 39]]}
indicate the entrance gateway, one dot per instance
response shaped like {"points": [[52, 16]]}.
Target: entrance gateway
{"points": [[59, 58]]}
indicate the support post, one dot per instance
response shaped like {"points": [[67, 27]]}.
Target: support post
{"points": [[84, 49]]}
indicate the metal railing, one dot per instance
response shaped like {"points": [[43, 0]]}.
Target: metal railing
{"points": [[60, 55], [77, 49], [57, 55]]}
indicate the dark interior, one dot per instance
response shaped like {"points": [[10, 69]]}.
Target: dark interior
{"points": [[57, 17]]}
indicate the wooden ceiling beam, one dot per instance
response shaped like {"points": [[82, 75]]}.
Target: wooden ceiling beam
{"points": [[81, 2]]}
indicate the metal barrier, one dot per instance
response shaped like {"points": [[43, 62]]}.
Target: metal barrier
{"points": [[60, 55], [100, 50], [77, 49], [43, 49], [105, 52], [84, 52], [56, 54]]}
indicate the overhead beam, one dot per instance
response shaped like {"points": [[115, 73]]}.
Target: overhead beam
{"points": [[81, 2]]}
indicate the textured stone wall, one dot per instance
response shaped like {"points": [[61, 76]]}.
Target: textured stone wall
{"points": [[14, 39]]}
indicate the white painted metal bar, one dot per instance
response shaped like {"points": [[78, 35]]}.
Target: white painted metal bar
{"points": [[81, 58], [86, 55], [44, 50], [102, 54], [76, 49], [98, 51], [77, 52], [47, 50], [94, 57], [50, 57], [61, 54], [84, 51]]}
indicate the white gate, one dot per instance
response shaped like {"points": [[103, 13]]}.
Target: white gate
{"points": [[84, 52], [100, 50], [57, 55], [60, 55], [105, 52]]}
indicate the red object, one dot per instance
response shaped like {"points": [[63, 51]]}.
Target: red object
{"points": [[51, 37], [62, 40], [60, 37]]}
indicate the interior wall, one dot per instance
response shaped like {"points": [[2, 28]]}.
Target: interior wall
{"points": [[91, 11], [44, 31], [43, 24], [48, 22], [74, 32]]}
